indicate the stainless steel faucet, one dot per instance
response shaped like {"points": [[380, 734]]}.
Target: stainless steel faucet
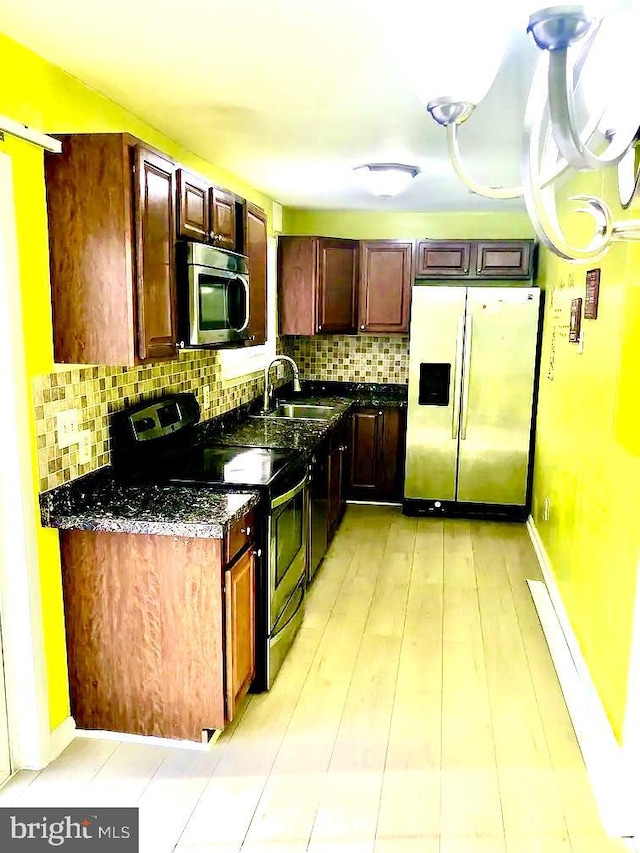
{"points": [[268, 387]]}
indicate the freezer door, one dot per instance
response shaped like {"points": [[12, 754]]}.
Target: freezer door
{"points": [[435, 373], [501, 332]]}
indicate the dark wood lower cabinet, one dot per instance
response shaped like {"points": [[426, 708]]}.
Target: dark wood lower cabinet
{"points": [[377, 454], [155, 642], [338, 475]]}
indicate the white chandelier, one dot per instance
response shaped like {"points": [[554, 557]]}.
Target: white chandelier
{"points": [[574, 120]]}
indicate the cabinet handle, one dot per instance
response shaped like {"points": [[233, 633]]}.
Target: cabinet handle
{"points": [[319, 327], [380, 412], [246, 530], [362, 327], [342, 448], [257, 552], [212, 234]]}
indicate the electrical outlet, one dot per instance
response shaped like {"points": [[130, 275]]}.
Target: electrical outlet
{"points": [[206, 397], [546, 509], [67, 427], [84, 447]]}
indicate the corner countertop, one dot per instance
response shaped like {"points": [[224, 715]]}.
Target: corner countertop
{"points": [[101, 502]]}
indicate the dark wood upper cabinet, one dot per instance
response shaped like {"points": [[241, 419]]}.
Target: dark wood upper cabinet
{"points": [[438, 258], [222, 218], [193, 206], [475, 259], [110, 204], [155, 265], [297, 285], [337, 286], [385, 286], [506, 259], [255, 247], [317, 281]]}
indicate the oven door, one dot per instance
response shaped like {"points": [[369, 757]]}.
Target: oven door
{"points": [[287, 537], [218, 305]]}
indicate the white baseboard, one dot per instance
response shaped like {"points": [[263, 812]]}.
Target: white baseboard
{"points": [[61, 737], [601, 752]]}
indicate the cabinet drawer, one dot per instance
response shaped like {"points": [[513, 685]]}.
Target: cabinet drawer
{"points": [[238, 536]]}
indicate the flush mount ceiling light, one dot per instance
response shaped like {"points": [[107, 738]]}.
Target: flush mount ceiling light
{"points": [[582, 112], [386, 179]]}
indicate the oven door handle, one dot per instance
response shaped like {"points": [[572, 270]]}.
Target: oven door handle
{"points": [[282, 499], [277, 628]]}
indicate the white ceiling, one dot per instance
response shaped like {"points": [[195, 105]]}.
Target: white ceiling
{"points": [[287, 94]]}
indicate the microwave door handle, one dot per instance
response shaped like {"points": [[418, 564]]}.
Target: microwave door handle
{"points": [[245, 284]]}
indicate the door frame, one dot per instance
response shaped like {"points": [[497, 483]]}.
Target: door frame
{"points": [[20, 597]]}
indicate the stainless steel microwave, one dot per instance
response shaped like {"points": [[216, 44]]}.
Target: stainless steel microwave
{"points": [[213, 295]]}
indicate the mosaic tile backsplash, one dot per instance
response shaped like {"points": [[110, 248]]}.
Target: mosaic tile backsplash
{"points": [[350, 358], [98, 391]]}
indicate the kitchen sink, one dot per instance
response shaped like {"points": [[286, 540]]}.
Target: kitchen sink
{"points": [[302, 411]]}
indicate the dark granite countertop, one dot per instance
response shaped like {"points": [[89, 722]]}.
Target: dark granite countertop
{"points": [[294, 434], [361, 393], [101, 502]]}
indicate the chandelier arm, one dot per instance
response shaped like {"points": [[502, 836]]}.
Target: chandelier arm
{"points": [[562, 110], [453, 145], [542, 214], [460, 170]]}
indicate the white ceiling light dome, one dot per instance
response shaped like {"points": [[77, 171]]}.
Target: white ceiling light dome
{"points": [[386, 179]]}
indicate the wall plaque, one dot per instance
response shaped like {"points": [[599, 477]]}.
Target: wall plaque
{"points": [[574, 321], [593, 292]]}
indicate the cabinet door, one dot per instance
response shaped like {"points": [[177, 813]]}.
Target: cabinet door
{"points": [[155, 269], [385, 287], [391, 472], [297, 278], [337, 286], [508, 259], [193, 207], [437, 258], [240, 652], [222, 218], [256, 250], [365, 451]]}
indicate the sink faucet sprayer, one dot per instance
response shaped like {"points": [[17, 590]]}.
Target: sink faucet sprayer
{"points": [[268, 387]]}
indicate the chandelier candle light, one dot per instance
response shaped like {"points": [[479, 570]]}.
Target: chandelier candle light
{"points": [[577, 118]]}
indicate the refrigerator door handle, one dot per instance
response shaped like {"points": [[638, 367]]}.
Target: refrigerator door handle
{"points": [[466, 376], [457, 378]]}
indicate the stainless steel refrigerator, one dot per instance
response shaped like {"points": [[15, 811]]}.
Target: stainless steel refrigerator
{"points": [[472, 374]]}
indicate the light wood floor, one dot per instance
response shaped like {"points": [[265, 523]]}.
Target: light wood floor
{"points": [[418, 711]]}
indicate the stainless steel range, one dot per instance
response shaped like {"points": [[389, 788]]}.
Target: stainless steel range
{"points": [[157, 442]]}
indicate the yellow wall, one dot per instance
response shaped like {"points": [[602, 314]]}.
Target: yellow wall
{"points": [[378, 225], [44, 97], [588, 452]]}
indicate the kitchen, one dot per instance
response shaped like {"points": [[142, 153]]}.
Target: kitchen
{"points": [[568, 438]]}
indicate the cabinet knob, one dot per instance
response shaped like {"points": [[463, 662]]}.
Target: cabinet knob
{"points": [[257, 552], [212, 234], [319, 327], [380, 412], [362, 327], [246, 530]]}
